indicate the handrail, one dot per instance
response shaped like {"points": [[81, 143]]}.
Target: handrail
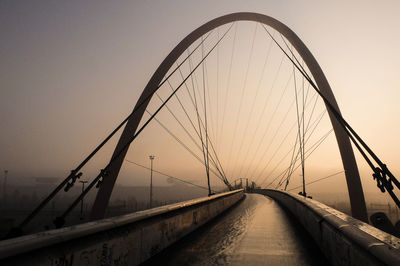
{"points": [[15, 246], [339, 236]]}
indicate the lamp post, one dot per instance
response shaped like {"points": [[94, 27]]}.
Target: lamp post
{"points": [[151, 157], [83, 188]]}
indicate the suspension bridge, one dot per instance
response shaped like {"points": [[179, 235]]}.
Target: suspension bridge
{"points": [[243, 107]]}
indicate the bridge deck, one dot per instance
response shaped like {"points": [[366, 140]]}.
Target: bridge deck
{"points": [[255, 232]]}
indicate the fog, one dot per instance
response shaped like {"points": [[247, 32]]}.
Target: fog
{"points": [[71, 72]]}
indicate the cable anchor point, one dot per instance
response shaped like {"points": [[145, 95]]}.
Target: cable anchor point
{"points": [[103, 173], [73, 176], [382, 181]]}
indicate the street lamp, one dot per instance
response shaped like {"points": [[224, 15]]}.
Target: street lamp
{"points": [[83, 188], [151, 157]]}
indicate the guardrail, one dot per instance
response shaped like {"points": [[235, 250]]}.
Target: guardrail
{"points": [[124, 240], [343, 239]]}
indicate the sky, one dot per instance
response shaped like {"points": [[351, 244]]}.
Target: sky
{"points": [[71, 71]]}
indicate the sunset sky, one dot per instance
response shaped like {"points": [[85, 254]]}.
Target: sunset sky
{"points": [[71, 71]]}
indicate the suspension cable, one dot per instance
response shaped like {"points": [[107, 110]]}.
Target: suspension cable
{"points": [[316, 122], [194, 127], [253, 103], [308, 103], [200, 122], [167, 175], [206, 155], [273, 137], [177, 120], [228, 81], [103, 173], [317, 180], [74, 175], [185, 146], [299, 129], [384, 177], [309, 151], [263, 112], [271, 119], [241, 100], [280, 145]]}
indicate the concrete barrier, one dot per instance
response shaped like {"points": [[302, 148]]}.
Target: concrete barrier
{"points": [[343, 239], [124, 240]]}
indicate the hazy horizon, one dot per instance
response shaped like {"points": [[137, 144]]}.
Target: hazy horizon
{"points": [[72, 71]]}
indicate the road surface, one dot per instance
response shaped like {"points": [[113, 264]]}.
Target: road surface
{"points": [[257, 231]]}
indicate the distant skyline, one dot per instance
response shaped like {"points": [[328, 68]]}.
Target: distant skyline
{"points": [[71, 71]]}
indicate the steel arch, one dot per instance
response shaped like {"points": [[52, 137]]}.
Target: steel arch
{"points": [[354, 185]]}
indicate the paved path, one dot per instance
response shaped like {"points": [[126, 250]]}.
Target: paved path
{"points": [[255, 232]]}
